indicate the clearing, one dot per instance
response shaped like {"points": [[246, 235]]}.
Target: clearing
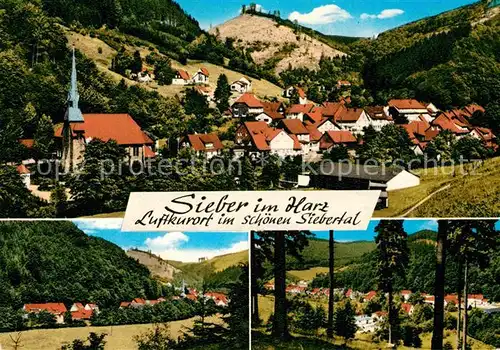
{"points": [[90, 47], [118, 337]]}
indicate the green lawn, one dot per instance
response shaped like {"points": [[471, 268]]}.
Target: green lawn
{"points": [[473, 193]]}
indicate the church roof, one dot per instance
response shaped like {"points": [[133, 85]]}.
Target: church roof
{"points": [[119, 127]]}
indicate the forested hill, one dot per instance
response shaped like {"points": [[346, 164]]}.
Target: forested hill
{"points": [[116, 13], [56, 262], [362, 275], [451, 59]]}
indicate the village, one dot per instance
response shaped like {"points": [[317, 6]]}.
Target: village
{"points": [[79, 312], [369, 316]]}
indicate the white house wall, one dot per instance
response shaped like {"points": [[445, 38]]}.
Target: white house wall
{"points": [[404, 179]]}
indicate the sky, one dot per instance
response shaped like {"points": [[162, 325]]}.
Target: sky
{"points": [[189, 246], [179, 246], [364, 18]]}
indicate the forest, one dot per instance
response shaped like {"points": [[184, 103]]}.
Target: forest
{"points": [[459, 258]]}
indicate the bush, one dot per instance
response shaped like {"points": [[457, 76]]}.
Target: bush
{"points": [[99, 50]]}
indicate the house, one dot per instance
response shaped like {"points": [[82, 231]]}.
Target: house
{"points": [[370, 295], [297, 128], [297, 111], [241, 85], [315, 115], [365, 323], [219, 298], [486, 136], [295, 289], [206, 92], [181, 78], [378, 117], [79, 129], [421, 132], [273, 111], [25, 175], [348, 176], [208, 145], [407, 308], [201, 76], [406, 294], [343, 84], [353, 119], [56, 309], [408, 109], [80, 312], [291, 90], [269, 286], [258, 138], [144, 76], [338, 137], [247, 106]]}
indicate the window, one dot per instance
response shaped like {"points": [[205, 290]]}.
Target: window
{"points": [[135, 151]]}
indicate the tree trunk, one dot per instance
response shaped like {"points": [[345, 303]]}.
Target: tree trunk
{"points": [[466, 306], [329, 330], [280, 327], [437, 334], [254, 286], [390, 311], [459, 299]]}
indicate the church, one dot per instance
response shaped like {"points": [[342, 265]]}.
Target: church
{"points": [[79, 129]]}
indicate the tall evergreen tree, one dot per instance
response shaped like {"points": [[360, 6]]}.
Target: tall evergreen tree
{"points": [[437, 334], [331, 264], [392, 258], [222, 93]]}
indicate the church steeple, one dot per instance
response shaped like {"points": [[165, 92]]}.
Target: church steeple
{"points": [[73, 113]]}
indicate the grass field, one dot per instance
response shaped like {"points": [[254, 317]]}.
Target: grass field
{"points": [[473, 193], [118, 337], [262, 341], [91, 46], [309, 274], [316, 254]]}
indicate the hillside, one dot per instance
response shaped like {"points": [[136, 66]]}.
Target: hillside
{"points": [[316, 254], [469, 194], [451, 59], [419, 274], [96, 48], [191, 272], [273, 45], [56, 262], [158, 267]]}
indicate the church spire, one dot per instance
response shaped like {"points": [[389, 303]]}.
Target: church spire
{"points": [[73, 113]]}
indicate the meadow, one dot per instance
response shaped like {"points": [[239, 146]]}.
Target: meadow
{"points": [[118, 337]]}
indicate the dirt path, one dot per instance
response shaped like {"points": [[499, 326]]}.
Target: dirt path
{"points": [[425, 200]]}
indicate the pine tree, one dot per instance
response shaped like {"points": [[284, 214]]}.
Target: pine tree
{"points": [[222, 93]]}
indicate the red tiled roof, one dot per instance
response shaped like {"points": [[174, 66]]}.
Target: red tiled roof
{"points": [[191, 297], [250, 100], [451, 298], [28, 143], [406, 292], [53, 308], [314, 133], [183, 74], [377, 113], [333, 137], [21, 169], [148, 152], [349, 115], [294, 126], [79, 305], [205, 71], [370, 295], [406, 307], [82, 314], [332, 109], [296, 142], [124, 303], [199, 142], [298, 108], [315, 114], [217, 297], [474, 108], [301, 92], [271, 109], [406, 104], [445, 121], [139, 301], [119, 127]]}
